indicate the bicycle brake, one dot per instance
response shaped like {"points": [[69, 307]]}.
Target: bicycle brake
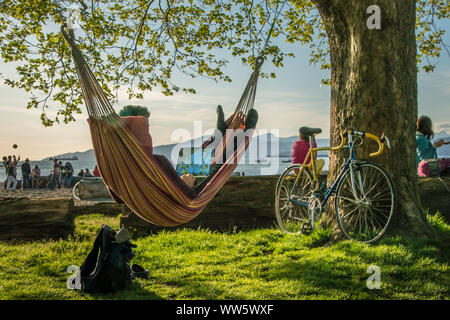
{"points": [[385, 139]]}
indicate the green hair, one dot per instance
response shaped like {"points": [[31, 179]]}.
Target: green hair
{"points": [[134, 111]]}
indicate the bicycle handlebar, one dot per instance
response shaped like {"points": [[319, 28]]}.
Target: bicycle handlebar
{"points": [[380, 141]]}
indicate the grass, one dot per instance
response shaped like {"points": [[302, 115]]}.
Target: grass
{"points": [[256, 264]]}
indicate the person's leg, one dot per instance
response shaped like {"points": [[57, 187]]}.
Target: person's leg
{"points": [[51, 184], [252, 119], [69, 180], [250, 123], [14, 183], [26, 181], [168, 168], [214, 169]]}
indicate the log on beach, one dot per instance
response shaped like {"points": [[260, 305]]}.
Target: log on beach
{"points": [[93, 189], [24, 219]]}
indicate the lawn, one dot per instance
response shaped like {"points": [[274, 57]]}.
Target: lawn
{"points": [[255, 264]]}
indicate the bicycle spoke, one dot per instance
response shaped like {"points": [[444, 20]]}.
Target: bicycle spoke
{"points": [[291, 215], [368, 219]]}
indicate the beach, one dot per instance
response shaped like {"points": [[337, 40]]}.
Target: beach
{"points": [[36, 193]]}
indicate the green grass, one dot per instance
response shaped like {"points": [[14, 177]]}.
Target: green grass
{"points": [[256, 264]]}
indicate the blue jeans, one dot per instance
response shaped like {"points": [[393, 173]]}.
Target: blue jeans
{"points": [[69, 180], [26, 181]]}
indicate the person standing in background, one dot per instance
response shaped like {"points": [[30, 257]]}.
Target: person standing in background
{"points": [[26, 171], [15, 162], [69, 174], [62, 174], [5, 165], [54, 178], [11, 178], [35, 177]]}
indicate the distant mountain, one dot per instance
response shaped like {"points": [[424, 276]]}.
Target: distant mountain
{"points": [[441, 135], [85, 156]]}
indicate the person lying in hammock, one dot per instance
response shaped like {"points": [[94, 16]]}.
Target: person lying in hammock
{"points": [[135, 118], [250, 123]]}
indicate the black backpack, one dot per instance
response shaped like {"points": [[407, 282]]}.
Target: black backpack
{"points": [[108, 271]]}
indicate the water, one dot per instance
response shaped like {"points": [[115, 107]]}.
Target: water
{"points": [[270, 166], [275, 166]]}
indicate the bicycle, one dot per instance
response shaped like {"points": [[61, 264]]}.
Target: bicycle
{"points": [[364, 195]]}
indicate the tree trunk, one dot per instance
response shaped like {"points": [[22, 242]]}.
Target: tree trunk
{"points": [[374, 89]]}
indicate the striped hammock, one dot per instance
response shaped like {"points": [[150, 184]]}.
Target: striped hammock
{"points": [[136, 177]]}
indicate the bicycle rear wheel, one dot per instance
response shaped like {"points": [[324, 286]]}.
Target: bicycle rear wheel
{"points": [[364, 212], [290, 214]]}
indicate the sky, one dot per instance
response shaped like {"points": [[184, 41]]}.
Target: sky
{"points": [[294, 98]]}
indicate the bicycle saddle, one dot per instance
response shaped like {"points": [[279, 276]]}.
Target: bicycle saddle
{"points": [[307, 131]]}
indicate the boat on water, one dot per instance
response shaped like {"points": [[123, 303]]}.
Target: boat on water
{"points": [[63, 158]]}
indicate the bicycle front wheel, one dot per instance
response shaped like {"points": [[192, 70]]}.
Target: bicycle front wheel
{"points": [[291, 198], [365, 208]]}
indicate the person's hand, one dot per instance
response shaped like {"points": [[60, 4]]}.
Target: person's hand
{"points": [[438, 144], [189, 180]]}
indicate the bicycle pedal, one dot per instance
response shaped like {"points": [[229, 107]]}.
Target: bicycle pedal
{"points": [[306, 228]]}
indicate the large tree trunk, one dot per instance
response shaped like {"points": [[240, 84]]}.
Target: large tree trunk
{"points": [[374, 89]]}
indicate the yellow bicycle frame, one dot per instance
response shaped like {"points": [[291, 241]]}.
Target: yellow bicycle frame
{"points": [[344, 133]]}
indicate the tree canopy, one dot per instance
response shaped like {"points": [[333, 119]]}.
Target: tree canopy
{"points": [[140, 44]]}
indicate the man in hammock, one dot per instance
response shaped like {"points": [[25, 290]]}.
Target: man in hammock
{"points": [[135, 118], [250, 123]]}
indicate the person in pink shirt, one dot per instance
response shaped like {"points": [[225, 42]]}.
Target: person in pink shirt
{"points": [[301, 147]]}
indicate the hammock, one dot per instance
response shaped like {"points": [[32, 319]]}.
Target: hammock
{"points": [[135, 176]]}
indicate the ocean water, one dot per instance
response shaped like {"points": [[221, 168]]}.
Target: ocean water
{"points": [[273, 166], [267, 166]]}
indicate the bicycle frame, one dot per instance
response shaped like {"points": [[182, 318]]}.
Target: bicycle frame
{"points": [[313, 152]]}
